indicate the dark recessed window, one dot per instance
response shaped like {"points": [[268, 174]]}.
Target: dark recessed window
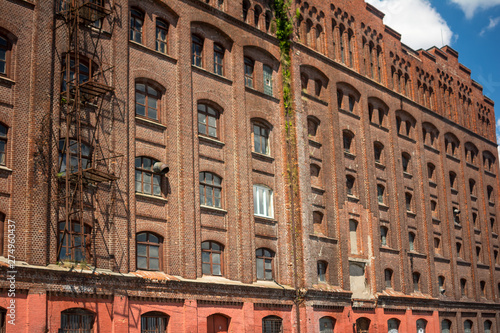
{"points": [[197, 51], [388, 278], [136, 23], [265, 264], [4, 55], [218, 60], [77, 320], [148, 251], [161, 36], [212, 258], [74, 152], [249, 65], [322, 266], [3, 144], [154, 322], [383, 236], [416, 282]]}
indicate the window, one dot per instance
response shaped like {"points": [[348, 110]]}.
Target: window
{"points": [[495, 256], [249, 65], [315, 174], [148, 251], [416, 282], [318, 222], [467, 326], [145, 180], [352, 103], [264, 259], [421, 325], [353, 236], [437, 246], [74, 152], [77, 320], [154, 322], [322, 266], [430, 171], [380, 194], [260, 139], [408, 198], [268, 80], [405, 160], [210, 190], [161, 36], [217, 323], [3, 315], [383, 236], [441, 283], [262, 201], [312, 126], [445, 326], [245, 8], [482, 285], [458, 245], [326, 325], [478, 253], [377, 152], [349, 185], [84, 73], [147, 101], [347, 138], [212, 258], [272, 324], [388, 278], [340, 98], [218, 59], [317, 87], [411, 239], [3, 144], [72, 248], [393, 326], [197, 51], [2, 225], [472, 187], [453, 180], [208, 121], [4, 55], [136, 23], [256, 15], [487, 326], [463, 287], [489, 192], [434, 211]]}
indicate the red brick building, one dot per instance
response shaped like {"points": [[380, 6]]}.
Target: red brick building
{"points": [[390, 224]]}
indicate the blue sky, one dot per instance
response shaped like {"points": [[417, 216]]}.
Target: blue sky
{"points": [[471, 27]]}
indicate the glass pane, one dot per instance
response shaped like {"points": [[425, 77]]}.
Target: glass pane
{"points": [[202, 128], [202, 107], [268, 264], [217, 180], [216, 258], [205, 257], [138, 176], [202, 194], [154, 251], [269, 275], [153, 114], [152, 102], [142, 237], [260, 269], [140, 98], [212, 121], [142, 250], [212, 132], [216, 270], [202, 118], [147, 178], [138, 187], [216, 247], [152, 91], [154, 264], [206, 269], [140, 110], [208, 178], [156, 190], [209, 198], [255, 201], [205, 245], [142, 263]]}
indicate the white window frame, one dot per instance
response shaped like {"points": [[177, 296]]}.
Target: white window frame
{"points": [[262, 193]]}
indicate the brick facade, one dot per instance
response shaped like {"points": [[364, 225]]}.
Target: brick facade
{"points": [[409, 130]]}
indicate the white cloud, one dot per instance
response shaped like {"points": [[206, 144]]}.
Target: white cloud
{"points": [[493, 23], [471, 6], [420, 25]]}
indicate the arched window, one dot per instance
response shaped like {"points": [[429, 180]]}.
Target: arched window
{"points": [[472, 187], [322, 271], [136, 23], [260, 135], [84, 151], [354, 240], [263, 201], [393, 326], [315, 174], [265, 264], [416, 282], [212, 258], [437, 246], [219, 59], [349, 185], [268, 17], [478, 253], [147, 101], [459, 249], [208, 121], [249, 66], [146, 181], [217, 323], [210, 190], [421, 325], [272, 324], [342, 43], [388, 278], [378, 148], [467, 326], [3, 144], [197, 50], [347, 140], [405, 160], [245, 8], [411, 240], [463, 287], [161, 36], [362, 325], [487, 326], [312, 126], [149, 249], [77, 320], [384, 232], [489, 192], [445, 326], [430, 171], [350, 45], [4, 55], [154, 322], [319, 37], [453, 180], [434, 210], [409, 203], [256, 15], [482, 285], [441, 283], [380, 194], [326, 325]]}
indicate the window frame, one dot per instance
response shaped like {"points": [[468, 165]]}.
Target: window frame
{"points": [[249, 70], [4, 132], [148, 244], [136, 27], [204, 109], [416, 278], [211, 252], [82, 315], [8, 50], [267, 77], [269, 212], [162, 27], [263, 137], [264, 258], [148, 87], [153, 176], [322, 271], [272, 324], [69, 245], [213, 186], [219, 52], [197, 45], [156, 316], [388, 283], [62, 155]]}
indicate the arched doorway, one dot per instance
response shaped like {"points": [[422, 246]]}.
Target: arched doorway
{"points": [[217, 323], [362, 325]]}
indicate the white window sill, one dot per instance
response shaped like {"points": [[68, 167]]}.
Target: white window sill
{"points": [[148, 196]]}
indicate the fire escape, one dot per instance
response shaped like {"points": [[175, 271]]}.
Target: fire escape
{"points": [[84, 166]]}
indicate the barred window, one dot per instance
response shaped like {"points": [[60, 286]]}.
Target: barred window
{"points": [[77, 320], [154, 322], [272, 324], [84, 151]]}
